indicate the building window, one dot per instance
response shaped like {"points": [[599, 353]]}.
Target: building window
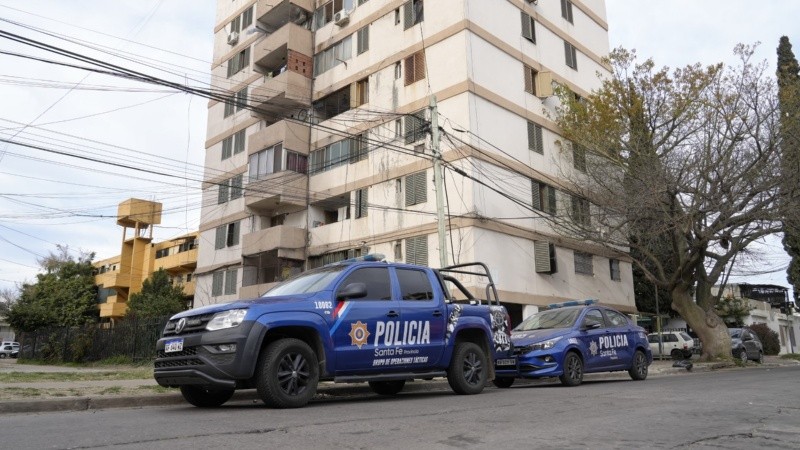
{"points": [[239, 62], [415, 67], [233, 144], [544, 257], [535, 138], [613, 268], [164, 252], [359, 150], [361, 203], [360, 95], [417, 250], [275, 159], [332, 105], [230, 189], [413, 13], [337, 154], [566, 10], [362, 39], [583, 263], [190, 244], [414, 127], [528, 27], [544, 197], [570, 55], [241, 99], [334, 55], [296, 162], [230, 106], [227, 235], [247, 17], [416, 188], [223, 282], [329, 258], [580, 211], [324, 14], [530, 79], [398, 70], [579, 157]]}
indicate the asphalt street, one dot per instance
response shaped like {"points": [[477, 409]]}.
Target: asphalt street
{"points": [[740, 408]]}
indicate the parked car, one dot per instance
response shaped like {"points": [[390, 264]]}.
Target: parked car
{"points": [[9, 351], [577, 337], [676, 344], [745, 345]]}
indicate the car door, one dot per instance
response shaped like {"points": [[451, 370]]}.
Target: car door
{"points": [[592, 337], [621, 339], [356, 321], [423, 314], [751, 344]]}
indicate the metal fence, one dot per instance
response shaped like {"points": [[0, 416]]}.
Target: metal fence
{"points": [[132, 338]]}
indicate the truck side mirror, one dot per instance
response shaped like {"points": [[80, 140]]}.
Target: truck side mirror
{"points": [[352, 290]]}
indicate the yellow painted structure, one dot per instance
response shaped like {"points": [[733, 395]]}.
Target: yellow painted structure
{"points": [[120, 276]]}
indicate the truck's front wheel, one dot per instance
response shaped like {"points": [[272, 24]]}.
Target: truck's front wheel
{"points": [[468, 369], [287, 374]]}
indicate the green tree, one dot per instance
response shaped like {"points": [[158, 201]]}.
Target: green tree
{"points": [[157, 298], [789, 97], [63, 295], [682, 170]]}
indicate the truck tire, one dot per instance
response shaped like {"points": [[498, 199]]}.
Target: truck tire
{"points": [[387, 387], [468, 369], [503, 382], [287, 374], [204, 397]]}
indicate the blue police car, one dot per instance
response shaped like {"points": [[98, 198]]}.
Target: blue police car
{"points": [[577, 337]]}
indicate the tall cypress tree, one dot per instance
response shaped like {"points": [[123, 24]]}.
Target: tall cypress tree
{"points": [[788, 74]]}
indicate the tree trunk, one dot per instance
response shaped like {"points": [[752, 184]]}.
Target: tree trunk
{"points": [[707, 324]]}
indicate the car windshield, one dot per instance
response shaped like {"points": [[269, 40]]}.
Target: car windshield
{"points": [[735, 333], [311, 281], [557, 318]]}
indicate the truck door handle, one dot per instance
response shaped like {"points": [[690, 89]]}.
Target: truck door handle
{"points": [[392, 314], [437, 313]]}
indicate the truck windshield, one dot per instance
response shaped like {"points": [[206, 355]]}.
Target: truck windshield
{"points": [[311, 281], [557, 318]]}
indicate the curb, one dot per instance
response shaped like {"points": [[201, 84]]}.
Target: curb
{"points": [[87, 403]]}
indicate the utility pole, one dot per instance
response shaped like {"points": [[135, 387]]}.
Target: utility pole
{"points": [[437, 181]]}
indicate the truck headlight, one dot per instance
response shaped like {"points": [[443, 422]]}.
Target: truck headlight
{"points": [[226, 319], [544, 345]]}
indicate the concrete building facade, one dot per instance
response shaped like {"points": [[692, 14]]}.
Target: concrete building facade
{"points": [[122, 275], [324, 150]]}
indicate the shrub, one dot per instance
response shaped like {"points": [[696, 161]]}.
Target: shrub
{"points": [[768, 338]]}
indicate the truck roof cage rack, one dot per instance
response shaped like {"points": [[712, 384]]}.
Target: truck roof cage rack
{"points": [[491, 290]]}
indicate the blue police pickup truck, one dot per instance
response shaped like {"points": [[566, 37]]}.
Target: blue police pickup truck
{"points": [[359, 320]]}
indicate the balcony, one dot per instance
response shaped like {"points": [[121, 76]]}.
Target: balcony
{"points": [[277, 191], [289, 241], [275, 93], [113, 309], [294, 136], [270, 53], [113, 280], [272, 14], [178, 262]]}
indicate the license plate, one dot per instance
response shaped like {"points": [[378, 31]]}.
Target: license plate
{"points": [[174, 345], [507, 362]]}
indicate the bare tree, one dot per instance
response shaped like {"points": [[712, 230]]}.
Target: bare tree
{"points": [[682, 173]]}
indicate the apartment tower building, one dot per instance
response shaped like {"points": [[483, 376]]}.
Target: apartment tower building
{"points": [[325, 151]]}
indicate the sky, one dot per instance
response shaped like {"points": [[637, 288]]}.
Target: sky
{"points": [[48, 198]]}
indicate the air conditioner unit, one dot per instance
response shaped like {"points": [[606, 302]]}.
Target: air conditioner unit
{"points": [[233, 38], [341, 18]]}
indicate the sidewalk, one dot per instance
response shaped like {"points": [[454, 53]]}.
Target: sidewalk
{"points": [[46, 396]]}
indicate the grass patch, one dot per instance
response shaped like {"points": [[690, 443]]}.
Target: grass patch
{"points": [[111, 390], [20, 392], [32, 377], [156, 389], [113, 361], [794, 356]]}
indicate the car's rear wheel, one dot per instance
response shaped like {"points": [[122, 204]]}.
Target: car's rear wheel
{"points": [[205, 397], [503, 382], [467, 373], [573, 370], [287, 374], [638, 370], [387, 387], [687, 354], [676, 354], [3, 356], [743, 356]]}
